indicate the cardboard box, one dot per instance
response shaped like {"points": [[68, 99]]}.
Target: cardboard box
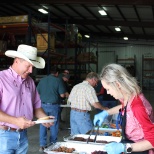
{"points": [[86, 56], [14, 19], [42, 42]]}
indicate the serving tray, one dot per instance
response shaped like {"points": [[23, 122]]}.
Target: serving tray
{"points": [[79, 148], [81, 138], [110, 130]]}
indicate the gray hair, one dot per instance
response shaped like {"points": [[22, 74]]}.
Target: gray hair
{"points": [[113, 73], [92, 75]]}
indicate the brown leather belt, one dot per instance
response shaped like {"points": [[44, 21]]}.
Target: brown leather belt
{"points": [[79, 110], [11, 129]]}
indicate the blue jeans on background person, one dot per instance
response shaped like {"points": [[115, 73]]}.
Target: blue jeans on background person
{"points": [[80, 122], [12, 142], [50, 110]]}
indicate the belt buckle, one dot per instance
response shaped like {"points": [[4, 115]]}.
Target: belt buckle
{"points": [[17, 130], [20, 130], [9, 128], [13, 129]]}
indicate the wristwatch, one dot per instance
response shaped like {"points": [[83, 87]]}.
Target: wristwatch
{"points": [[128, 148]]}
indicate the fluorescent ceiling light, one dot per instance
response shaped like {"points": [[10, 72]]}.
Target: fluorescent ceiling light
{"points": [[45, 6], [102, 12], [87, 36], [117, 29], [43, 11], [125, 38]]}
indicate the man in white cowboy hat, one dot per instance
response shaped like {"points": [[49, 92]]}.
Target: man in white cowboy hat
{"points": [[19, 100]]}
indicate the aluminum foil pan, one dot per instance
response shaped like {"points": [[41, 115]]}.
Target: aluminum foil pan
{"points": [[79, 148], [84, 137]]}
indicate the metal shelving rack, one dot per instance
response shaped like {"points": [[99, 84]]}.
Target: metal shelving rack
{"points": [[147, 73], [128, 63], [30, 29], [80, 67]]}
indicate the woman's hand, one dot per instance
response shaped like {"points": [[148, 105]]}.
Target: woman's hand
{"points": [[114, 148], [100, 117]]}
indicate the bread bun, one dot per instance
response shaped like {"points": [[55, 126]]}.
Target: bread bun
{"points": [[44, 118]]}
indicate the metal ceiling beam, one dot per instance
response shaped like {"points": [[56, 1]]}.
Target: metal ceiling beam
{"points": [[130, 36], [61, 10], [98, 28], [107, 22], [10, 8], [86, 8], [80, 15], [120, 12], [3, 12], [152, 7], [24, 9], [138, 18], [102, 2], [100, 6], [92, 15], [51, 12]]}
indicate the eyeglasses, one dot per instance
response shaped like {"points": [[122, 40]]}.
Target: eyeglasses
{"points": [[96, 81]]}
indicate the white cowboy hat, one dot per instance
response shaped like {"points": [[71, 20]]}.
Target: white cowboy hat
{"points": [[27, 53]]}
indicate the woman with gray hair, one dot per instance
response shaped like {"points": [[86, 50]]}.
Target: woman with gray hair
{"points": [[135, 112]]}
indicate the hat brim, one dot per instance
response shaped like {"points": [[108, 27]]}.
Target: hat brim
{"points": [[38, 63]]}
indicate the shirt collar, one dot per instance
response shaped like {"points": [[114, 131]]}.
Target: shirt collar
{"points": [[85, 81], [15, 75]]}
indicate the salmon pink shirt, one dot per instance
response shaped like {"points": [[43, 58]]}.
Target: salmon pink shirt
{"points": [[139, 122], [18, 97]]}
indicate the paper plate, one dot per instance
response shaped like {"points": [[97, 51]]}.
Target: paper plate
{"points": [[44, 121]]}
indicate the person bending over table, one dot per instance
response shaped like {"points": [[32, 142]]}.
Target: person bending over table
{"points": [[82, 98], [19, 100], [135, 111]]}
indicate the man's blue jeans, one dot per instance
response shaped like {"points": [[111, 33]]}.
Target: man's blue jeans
{"points": [[80, 122], [52, 110], [12, 142]]}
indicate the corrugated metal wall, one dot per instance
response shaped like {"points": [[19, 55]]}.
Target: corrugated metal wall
{"points": [[125, 52]]}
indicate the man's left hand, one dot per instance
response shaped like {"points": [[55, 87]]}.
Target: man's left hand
{"points": [[48, 124]]}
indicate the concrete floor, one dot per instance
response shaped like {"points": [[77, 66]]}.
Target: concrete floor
{"points": [[33, 135], [33, 132]]}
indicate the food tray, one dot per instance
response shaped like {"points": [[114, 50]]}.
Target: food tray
{"points": [[79, 148], [99, 140], [44, 121], [110, 130]]}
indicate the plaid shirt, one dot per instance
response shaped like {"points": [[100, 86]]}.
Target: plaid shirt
{"points": [[82, 96]]}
